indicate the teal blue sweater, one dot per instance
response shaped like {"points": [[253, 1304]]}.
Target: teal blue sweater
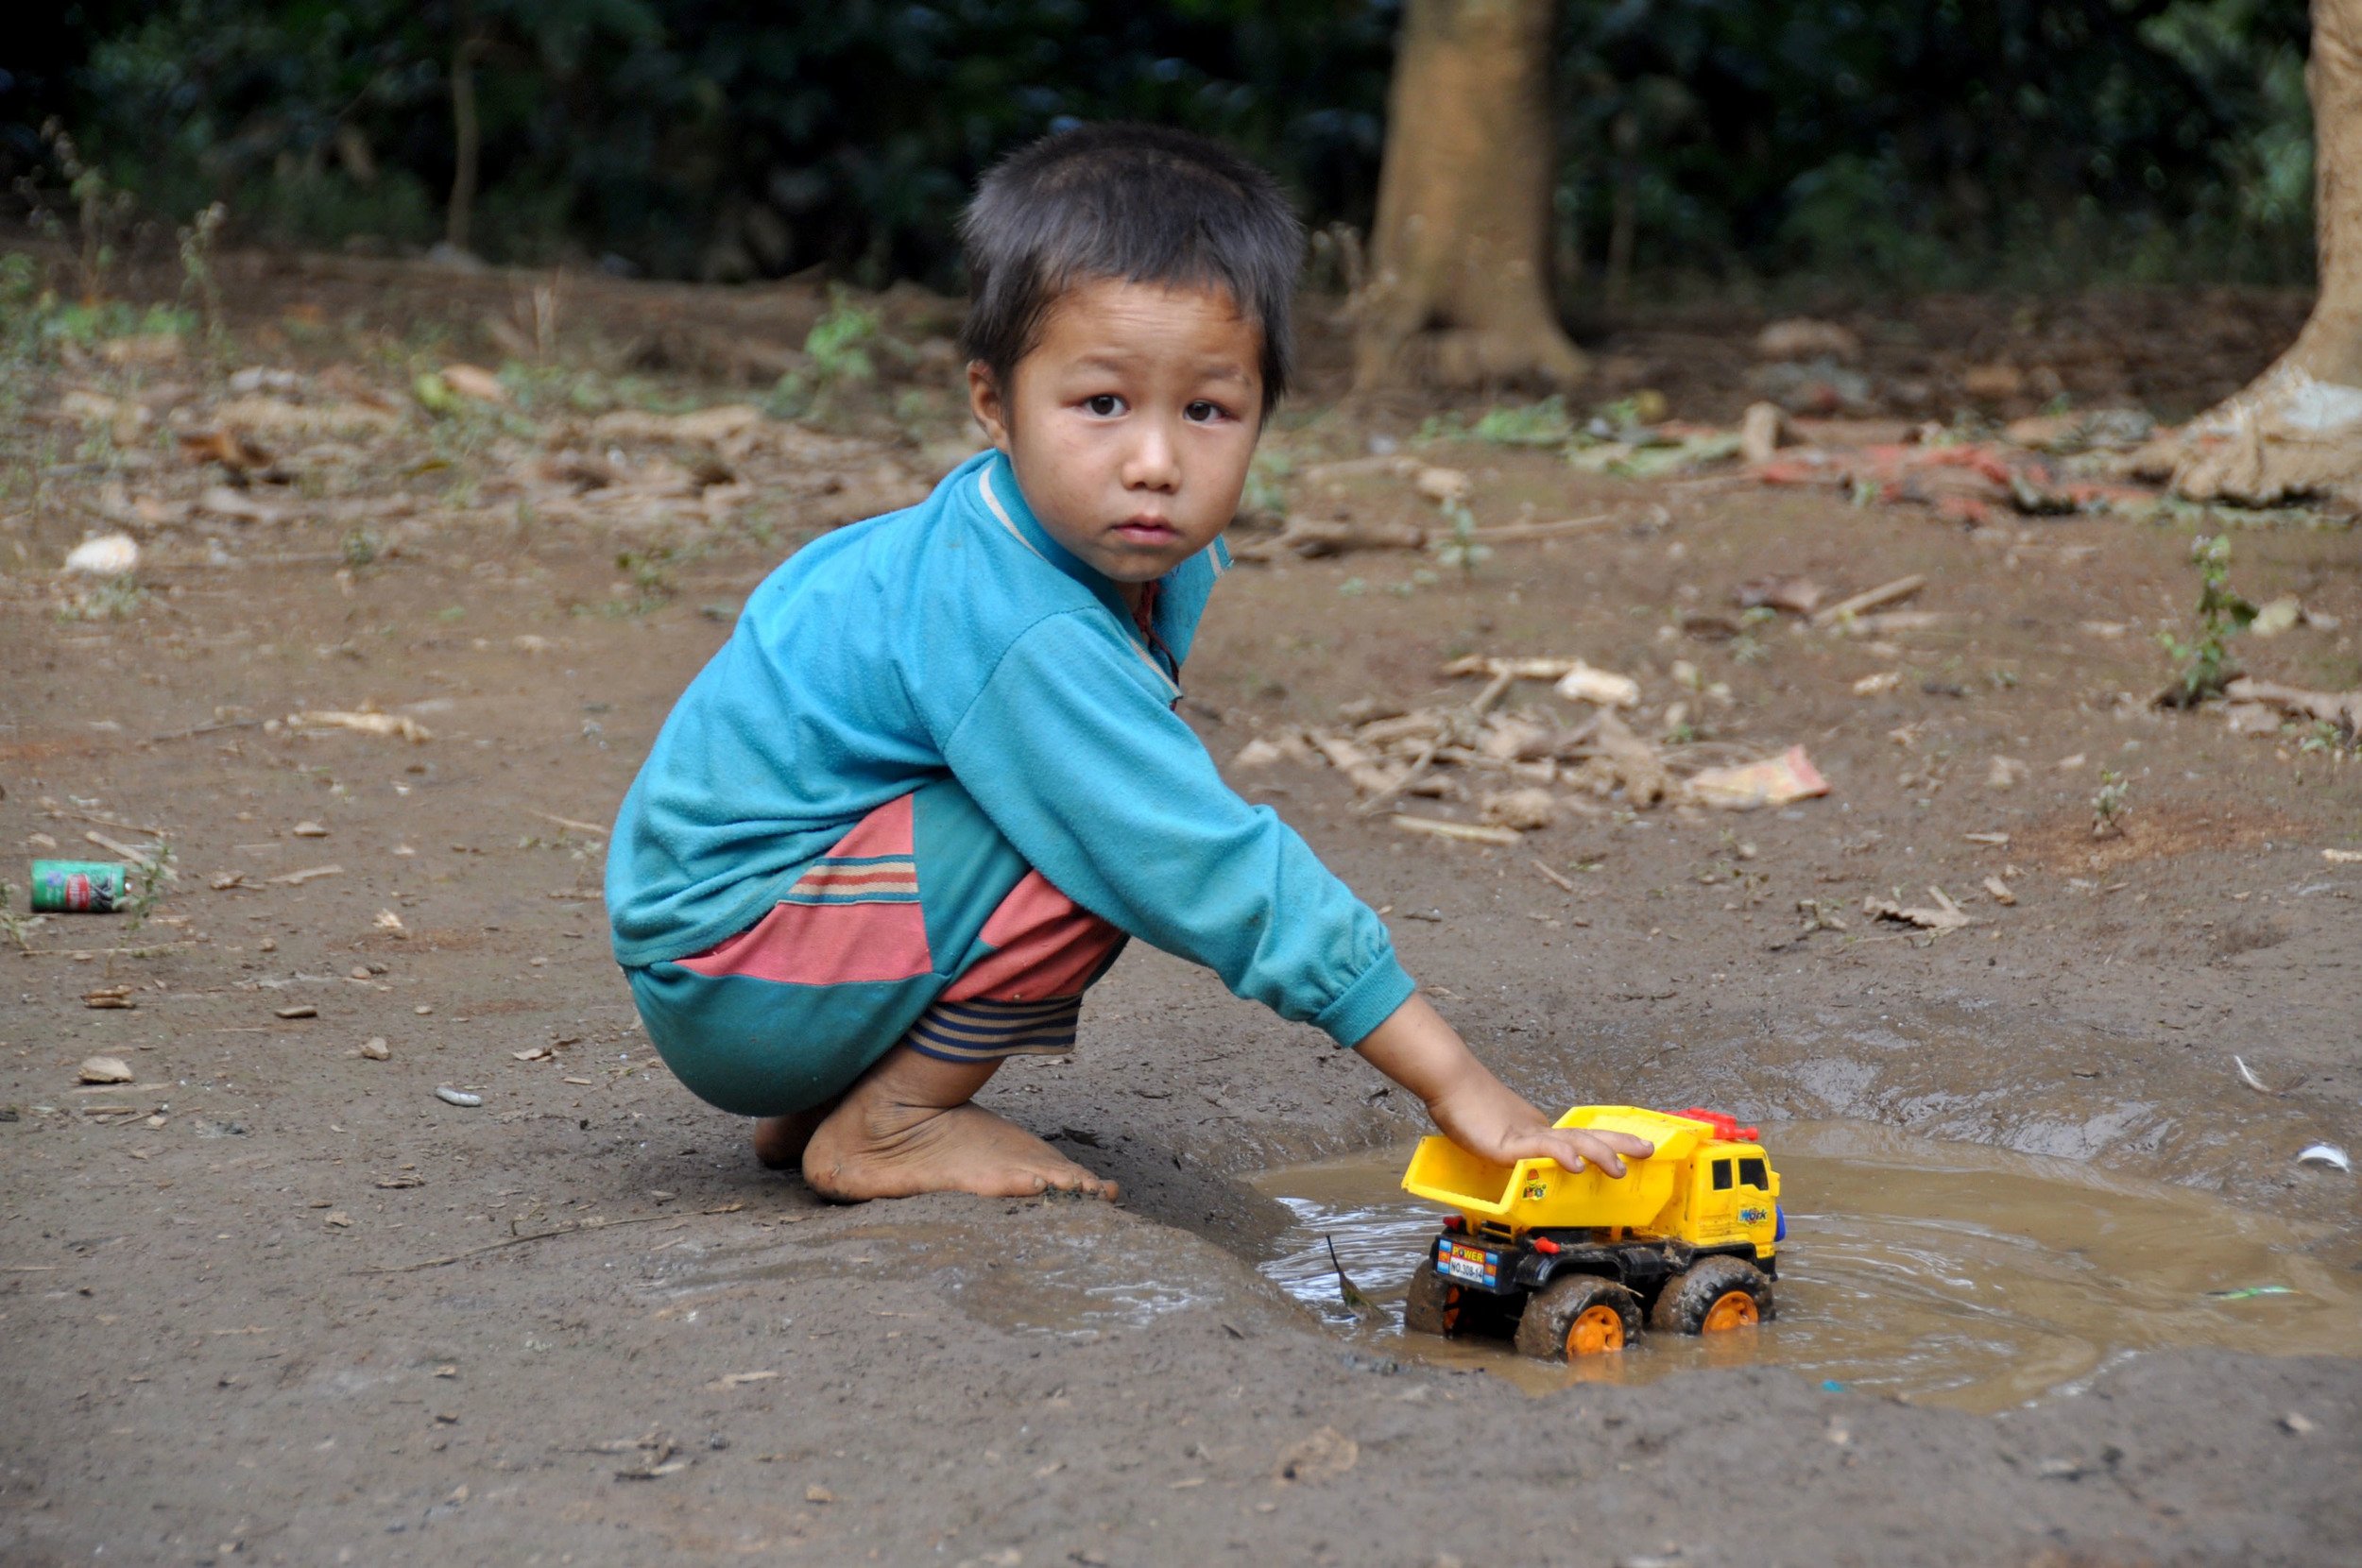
{"points": [[957, 637]]}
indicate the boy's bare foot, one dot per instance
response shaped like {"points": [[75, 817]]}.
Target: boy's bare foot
{"points": [[780, 1140], [906, 1128]]}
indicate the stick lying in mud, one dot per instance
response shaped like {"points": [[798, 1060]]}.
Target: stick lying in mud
{"points": [[536, 1235]]}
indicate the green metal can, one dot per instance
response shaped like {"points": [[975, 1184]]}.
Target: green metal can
{"points": [[78, 887]]}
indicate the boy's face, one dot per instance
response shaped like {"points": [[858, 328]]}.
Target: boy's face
{"points": [[1131, 422]]}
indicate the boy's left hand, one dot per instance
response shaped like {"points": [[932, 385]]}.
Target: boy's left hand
{"points": [[1475, 1110], [1491, 1121]]}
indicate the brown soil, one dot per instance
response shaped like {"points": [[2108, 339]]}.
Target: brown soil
{"points": [[234, 1333]]}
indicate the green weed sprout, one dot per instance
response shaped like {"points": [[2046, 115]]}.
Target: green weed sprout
{"points": [[196, 268], [1542, 424], [13, 926], [2111, 805], [836, 355], [2222, 615], [1460, 547]]}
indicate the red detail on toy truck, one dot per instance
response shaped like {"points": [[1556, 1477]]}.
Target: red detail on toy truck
{"points": [[1725, 1127]]}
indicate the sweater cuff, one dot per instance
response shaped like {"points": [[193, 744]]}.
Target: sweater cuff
{"points": [[1367, 1003]]}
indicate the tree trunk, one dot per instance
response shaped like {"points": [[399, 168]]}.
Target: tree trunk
{"points": [[1460, 255], [2297, 430], [466, 137]]}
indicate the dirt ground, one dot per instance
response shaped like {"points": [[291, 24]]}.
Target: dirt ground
{"points": [[275, 1299]]}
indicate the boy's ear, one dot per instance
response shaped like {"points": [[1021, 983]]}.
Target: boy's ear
{"points": [[991, 410]]}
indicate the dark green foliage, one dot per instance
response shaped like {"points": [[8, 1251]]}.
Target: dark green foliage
{"points": [[1917, 142]]}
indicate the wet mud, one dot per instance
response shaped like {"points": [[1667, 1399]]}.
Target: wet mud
{"points": [[1943, 1274]]}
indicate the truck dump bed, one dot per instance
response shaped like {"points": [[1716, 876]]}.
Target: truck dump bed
{"points": [[1649, 1197]]}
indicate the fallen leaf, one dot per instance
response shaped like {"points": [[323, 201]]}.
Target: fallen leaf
{"points": [[1602, 688], [474, 382], [1945, 916], [1324, 1456], [1773, 781]]}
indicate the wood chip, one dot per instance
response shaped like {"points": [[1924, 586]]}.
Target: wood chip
{"points": [[1885, 593], [1465, 831]]}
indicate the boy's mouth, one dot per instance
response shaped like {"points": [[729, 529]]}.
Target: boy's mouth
{"points": [[1146, 531]]}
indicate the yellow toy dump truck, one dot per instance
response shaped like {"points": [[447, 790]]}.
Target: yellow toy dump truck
{"points": [[1571, 1261]]}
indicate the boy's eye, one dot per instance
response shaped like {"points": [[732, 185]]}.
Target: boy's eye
{"points": [[1105, 405], [1202, 411]]}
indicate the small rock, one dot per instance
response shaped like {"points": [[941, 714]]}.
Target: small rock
{"points": [[819, 1494], [1762, 432], [338, 1218], [108, 555], [106, 1069], [301, 1010], [449, 1095], [1526, 809], [375, 1048], [2297, 1421], [1802, 337], [308, 830], [1438, 484]]}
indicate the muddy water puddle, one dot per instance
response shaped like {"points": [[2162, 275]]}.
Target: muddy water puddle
{"points": [[1940, 1273]]}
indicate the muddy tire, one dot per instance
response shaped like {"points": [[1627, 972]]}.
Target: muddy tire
{"points": [[1432, 1304], [1712, 1296], [1576, 1316]]}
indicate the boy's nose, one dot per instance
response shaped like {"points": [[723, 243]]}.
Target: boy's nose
{"points": [[1152, 464]]}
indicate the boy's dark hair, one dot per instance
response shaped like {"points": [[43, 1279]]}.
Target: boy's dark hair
{"points": [[1140, 203]]}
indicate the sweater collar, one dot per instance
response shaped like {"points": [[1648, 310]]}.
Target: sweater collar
{"points": [[1005, 508]]}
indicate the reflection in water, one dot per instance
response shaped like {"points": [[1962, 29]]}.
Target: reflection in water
{"points": [[1946, 1272]]}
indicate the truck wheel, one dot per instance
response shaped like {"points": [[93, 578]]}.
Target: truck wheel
{"points": [[1713, 1295], [1432, 1306], [1579, 1315]]}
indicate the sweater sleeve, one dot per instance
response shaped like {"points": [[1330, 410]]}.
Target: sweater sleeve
{"points": [[1071, 752]]}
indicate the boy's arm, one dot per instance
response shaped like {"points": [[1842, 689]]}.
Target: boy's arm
{"points": [[1071, 752], [1475, 1110]]}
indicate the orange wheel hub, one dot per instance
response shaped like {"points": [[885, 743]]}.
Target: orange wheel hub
{"points": [[1596, 1331], [1734, 1309]]}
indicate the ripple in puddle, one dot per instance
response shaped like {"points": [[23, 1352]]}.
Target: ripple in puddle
{"points": [[1941, 1272]]}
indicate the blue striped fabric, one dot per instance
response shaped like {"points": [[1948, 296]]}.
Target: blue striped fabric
{"points": [[989, 1030]]}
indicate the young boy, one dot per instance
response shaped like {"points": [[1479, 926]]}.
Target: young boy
{"points": [[918, 801]]}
